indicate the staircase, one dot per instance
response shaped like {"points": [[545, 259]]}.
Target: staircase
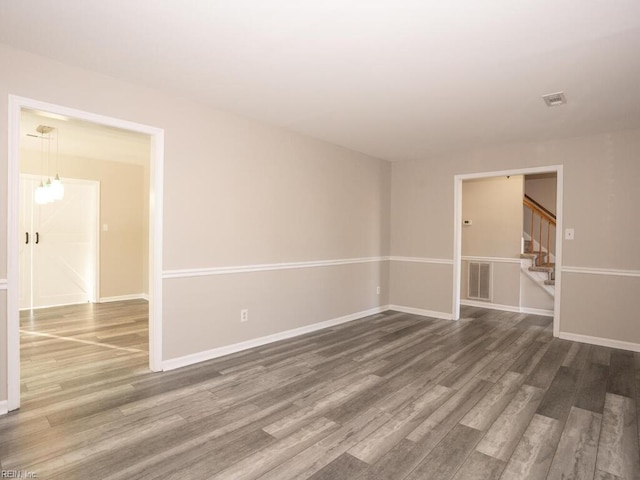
{"points": [[537, 259], [535, 266]]}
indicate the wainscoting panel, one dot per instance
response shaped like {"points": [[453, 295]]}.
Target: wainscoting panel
{"points": [[422, 285], [202, 313], [600, 306]]}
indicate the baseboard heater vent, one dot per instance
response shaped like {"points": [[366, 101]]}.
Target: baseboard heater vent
{"points": [[479, 281]]}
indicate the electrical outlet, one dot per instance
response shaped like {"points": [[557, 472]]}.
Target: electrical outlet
{"points": [[244, 315], [378, 290]]}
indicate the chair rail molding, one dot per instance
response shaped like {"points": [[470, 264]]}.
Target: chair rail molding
{"points": [[266, 267], [491, 259], [443, 261], [601, 271]]}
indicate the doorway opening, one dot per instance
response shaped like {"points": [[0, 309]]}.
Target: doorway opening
{"points": [[152, 217], [491, 271]]}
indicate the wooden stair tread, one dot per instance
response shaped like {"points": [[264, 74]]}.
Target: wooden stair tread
{"points": [[541, 268], [534, 257]]}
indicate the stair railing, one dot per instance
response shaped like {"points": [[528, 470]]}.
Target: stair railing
{"points": [[546, 217]]}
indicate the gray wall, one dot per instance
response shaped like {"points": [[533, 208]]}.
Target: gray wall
{"points": [[601, 194], [236, 193], [542, 188], [494, 205]]}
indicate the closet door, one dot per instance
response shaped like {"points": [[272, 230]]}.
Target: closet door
{"points": [[28, 186], [64, 247]]}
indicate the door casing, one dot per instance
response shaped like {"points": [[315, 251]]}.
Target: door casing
{"points": [[156, 164], [457, 231]]}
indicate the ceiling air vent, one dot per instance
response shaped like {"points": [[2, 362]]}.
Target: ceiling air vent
{"points": [[553, 99]]}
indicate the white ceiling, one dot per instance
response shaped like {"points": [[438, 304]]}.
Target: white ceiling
{"points": [[396, 79], [82, 139]]}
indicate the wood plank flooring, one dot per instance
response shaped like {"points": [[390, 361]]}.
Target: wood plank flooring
{"points": [[391, 396]]}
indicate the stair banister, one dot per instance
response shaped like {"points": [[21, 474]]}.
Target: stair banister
{"points": [[546, 216]]}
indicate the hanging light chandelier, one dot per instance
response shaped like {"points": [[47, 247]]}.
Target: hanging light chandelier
{"points": [[48, 191]]}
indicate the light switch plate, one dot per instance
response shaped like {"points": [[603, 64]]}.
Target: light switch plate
{"points": [[568, 234]]}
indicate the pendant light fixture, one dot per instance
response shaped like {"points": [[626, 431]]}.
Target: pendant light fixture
{"points": [[48, 191], [57, 188], [41, 194]]}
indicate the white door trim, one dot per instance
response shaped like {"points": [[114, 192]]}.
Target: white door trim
{"points": [[16, 104], [457, 231]]}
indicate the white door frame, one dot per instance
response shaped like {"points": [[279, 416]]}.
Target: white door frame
{"points": [[457, 232], [93, 293], [16, 104]]}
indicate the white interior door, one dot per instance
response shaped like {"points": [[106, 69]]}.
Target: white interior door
{"points": [[27, 190], [64, 250]]}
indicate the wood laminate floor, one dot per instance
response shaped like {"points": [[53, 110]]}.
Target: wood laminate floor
{"points": [[391, 396]]}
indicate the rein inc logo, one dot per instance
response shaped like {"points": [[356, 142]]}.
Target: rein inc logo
{"points": [[17, 474]]}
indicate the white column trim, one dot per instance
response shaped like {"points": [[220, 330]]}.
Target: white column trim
{"points": [[13, 212]]}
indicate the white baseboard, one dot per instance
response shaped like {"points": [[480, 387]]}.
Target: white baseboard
{"points": [[537, 311], [120, 298], [4, 407], [507, 308], [257, 342], [603, 342], [420, 311], [494, 306], [51, 306], [191, 359]]}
